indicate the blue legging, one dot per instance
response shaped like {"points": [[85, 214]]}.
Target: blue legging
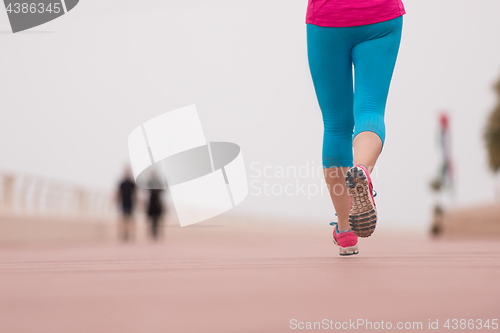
{"points": [[373, 50]]}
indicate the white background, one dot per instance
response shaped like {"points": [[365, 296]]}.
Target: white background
{"points": [[73, 89]]}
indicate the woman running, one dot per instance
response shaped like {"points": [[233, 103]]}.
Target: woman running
{"points": [[340, 34]]}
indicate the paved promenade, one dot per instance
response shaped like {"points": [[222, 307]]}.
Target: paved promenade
{"points": [[247, 277]]}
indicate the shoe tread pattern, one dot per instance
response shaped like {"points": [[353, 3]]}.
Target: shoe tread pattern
{"points": [[363, 215]]}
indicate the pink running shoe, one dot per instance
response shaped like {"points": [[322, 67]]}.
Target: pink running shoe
{"points": [[347, 241], [363, 214]]}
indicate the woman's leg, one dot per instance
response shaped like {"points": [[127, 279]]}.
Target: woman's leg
{"points": [[367, 148], [374, 61], [329, 54], [374, 58], [335, 180]]}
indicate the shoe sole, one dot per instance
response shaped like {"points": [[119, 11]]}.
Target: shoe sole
{"points": [[347, 251], [363, 214]]}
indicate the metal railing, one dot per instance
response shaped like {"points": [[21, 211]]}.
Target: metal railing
{"points": [[38, 196]]}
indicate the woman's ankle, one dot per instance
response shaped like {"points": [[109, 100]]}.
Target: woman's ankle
{"points": [[343, 226]]}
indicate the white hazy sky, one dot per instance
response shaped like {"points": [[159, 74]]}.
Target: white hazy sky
{"points": [[74, 88]]}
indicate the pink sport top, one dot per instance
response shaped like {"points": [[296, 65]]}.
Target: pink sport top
{"points": [[351, 13]]}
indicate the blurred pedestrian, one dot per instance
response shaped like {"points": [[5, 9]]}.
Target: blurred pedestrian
{"points": [[126, 197], [155, 207]]}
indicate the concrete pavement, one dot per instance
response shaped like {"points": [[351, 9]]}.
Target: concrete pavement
{"points": [[242, 276]]}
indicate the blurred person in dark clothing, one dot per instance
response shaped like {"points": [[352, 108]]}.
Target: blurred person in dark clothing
{"points": [[126, 198], [155, 207]]}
